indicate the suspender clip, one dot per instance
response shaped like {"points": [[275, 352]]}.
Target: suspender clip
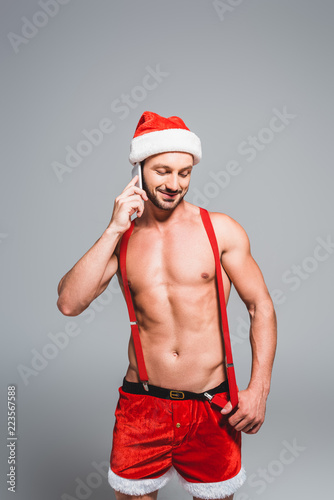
{"points": [[207, 395], [145, 386]]}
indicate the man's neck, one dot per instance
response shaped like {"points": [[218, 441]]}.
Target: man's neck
{"points": [[157, 217]]}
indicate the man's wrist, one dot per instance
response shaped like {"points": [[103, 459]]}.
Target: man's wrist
{"points": [[260, 387], [112, 231]]}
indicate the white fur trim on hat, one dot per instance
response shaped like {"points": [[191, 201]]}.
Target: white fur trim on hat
{"points": [[138, 486], [162, 141], [220, 489]]}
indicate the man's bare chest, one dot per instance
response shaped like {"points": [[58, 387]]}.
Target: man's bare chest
{"points": [[170, 259]]}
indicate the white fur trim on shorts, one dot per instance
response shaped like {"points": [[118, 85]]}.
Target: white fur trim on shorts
{"points": [[220, 489], [138, 486], [206, 491]]}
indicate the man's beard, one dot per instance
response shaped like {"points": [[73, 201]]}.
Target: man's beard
{"points": [[164, 205]]}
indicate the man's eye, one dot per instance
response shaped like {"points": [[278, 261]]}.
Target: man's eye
{"points": [[164, 173]]}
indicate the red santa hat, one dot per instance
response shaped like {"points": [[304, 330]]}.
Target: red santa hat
{"points": [[155, 134]]}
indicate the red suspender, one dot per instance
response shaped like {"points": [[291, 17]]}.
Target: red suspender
{"points": [[232, 385], [233, 390], [133, 320]]}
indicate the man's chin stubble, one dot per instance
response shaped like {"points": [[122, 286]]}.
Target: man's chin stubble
{"points": [[167, 205]]}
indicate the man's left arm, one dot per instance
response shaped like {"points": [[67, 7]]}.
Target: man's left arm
{"points": [[248, 280]]}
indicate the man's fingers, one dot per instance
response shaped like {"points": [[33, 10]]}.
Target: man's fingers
{"points": [[227, 408], [132, 182], [251, 428], [135, 203], [133, 190], [141, 209]]}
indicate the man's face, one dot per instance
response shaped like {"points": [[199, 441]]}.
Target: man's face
{"points": [[166, 178]]}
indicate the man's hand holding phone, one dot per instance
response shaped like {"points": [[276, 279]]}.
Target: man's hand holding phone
{"points": [[130, 200]]}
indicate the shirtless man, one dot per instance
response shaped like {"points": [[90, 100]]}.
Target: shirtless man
{"points": [[171, 275]]}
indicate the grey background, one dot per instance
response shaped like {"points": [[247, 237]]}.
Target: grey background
{"points": [[226, 74]]}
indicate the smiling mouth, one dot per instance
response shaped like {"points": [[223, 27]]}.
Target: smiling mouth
{"points": [[170, 195]]}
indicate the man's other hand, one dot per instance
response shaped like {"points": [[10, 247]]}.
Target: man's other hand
{"points": [[249, 414]]}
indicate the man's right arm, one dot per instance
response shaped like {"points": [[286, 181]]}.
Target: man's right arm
{"points": [[90, 276]]}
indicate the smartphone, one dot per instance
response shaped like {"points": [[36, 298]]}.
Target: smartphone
{"points": [[137, 171]]}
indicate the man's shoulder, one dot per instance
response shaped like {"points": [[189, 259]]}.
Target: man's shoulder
{"points": [[196, 210], [228, 230], [223, 220], [220, 220]]}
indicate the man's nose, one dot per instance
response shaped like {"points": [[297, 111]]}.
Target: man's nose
{"points": [[172, 182]]}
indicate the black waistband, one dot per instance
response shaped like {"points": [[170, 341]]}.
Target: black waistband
{"points": [[162, 392]]}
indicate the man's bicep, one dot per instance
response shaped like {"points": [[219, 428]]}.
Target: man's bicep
{"points": [[109, 272], [243, 270]]}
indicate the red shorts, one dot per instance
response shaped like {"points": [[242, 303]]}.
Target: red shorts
{"points": [[154, 437]]}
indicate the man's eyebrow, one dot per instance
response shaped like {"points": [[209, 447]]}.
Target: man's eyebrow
{"points": [[161, 165]]}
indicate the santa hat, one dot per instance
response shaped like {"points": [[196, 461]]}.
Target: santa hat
{"points": [[155, 134]]}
